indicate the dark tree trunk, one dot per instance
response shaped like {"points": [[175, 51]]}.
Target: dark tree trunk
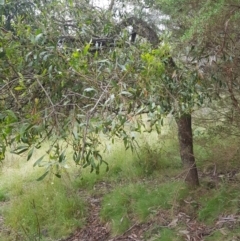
{"points": [[185, 138]]}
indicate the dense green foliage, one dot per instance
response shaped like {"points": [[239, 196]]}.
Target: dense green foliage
{"points": [[56, 85], [71, 72], [75, 84]]}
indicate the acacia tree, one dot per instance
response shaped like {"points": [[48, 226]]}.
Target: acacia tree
{"points": [[71, 72], [71, 90], [62, 81], [207, 34], [174, 84], [205, 42]]}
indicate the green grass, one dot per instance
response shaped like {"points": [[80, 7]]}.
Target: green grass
{"points": [[223, 201], [154, 158], [120, 168], [3, 195], [138, 201], [48, 209], [227, 234], [42, 204], [217, 235], [161, 234], [151, 160], [218, 150], [137, 186], [166, 234], [126, 166]]}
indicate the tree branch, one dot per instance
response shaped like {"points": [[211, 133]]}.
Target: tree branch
{"points": [[111, 5], [141, 28]]}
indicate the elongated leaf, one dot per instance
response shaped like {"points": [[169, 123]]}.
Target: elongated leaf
{"points": [[27, 56], [86, 48], [76, 157], [19, 88], [89, 89], [20, 149], [62, 157], [30, 153], [126, 93], [75, 134], [38, 37], [46, 57], [38, 161], [43, 53], [43, 176], [107, 166]]}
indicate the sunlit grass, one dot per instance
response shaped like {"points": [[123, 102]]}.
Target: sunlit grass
{"points": [[221, 152], [49, 208], [42, 204], [154, 158]]}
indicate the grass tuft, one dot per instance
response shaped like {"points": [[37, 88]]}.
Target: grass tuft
{"points": [[3, 195], [47, 209], [221, 202], [136, 200], [42, 204]]}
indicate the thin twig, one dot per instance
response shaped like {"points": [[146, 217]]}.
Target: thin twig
{"points": [[89, 114], [10, 82], [46, 93]]}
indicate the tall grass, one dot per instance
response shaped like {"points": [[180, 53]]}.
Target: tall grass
{"points": [[37, 210]]}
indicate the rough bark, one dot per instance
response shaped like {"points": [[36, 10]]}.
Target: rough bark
{"points": [[185, 137], [141, 28]]}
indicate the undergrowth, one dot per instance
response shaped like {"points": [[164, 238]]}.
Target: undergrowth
{"points": [[37, 210], [125, 203], [223, 201], [136, 188], [43, 204]]}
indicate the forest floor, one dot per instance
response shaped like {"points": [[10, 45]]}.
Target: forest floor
{"points": [[185, 224], [141, 198]]}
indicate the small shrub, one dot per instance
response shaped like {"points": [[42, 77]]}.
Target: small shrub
{"points": [[157, 158]]}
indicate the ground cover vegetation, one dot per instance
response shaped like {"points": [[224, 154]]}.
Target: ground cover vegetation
{"points": [[144, 78], [141, 196]]}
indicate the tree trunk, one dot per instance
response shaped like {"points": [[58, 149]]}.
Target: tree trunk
{"points": [[185, 138]]}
